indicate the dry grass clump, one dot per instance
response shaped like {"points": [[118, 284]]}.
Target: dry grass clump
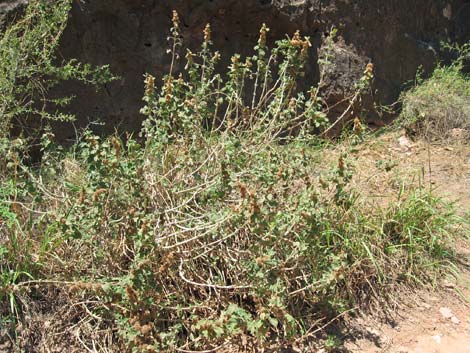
{"points": [[438, 109]]}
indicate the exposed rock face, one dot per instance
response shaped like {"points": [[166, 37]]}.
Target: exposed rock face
{"points": [[396, 35]]}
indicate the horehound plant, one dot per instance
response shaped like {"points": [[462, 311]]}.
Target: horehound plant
{"points": [[258, 97], [223, 229]]}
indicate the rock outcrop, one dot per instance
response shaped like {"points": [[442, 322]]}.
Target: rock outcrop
{"points": [[398, 36]]}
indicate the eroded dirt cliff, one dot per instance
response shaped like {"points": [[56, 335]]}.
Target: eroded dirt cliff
{"points": [[398, 36]]}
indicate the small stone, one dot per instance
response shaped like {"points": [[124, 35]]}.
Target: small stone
{"points": [[448, 284], [437, 338], [455, 320], [405, 144], [446, 313]]}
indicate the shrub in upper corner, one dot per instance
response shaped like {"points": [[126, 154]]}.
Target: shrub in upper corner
{"points": [[29, 66], [438, 108]]}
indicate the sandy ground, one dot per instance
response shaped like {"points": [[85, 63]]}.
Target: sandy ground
{"points": [[434, 320]]}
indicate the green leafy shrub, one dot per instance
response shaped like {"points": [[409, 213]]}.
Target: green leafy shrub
{"points": [[29, 67]]}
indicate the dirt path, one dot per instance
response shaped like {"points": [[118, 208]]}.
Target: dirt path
{"points": [[431, 321]]}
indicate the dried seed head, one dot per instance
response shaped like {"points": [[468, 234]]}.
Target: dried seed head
{"points": [[254, 206], [296, 41], [132, 294], [146, 329], [242, 188], [74, 289], [207, 33], [117, 147], [235, 61], [248, 63], [357, 126], [144, 227], [305, 45], [149, 85], [369, 71], [341, 164], [305, 215], [168, 89], [216, 57], [262, 35], [260, 261], [133, 320], [189, 56], [292, 103], [98, 193], [81, 198], [175, 19]]}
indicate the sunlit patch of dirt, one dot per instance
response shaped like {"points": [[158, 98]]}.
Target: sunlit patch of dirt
{"points": [[434, 320]]}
